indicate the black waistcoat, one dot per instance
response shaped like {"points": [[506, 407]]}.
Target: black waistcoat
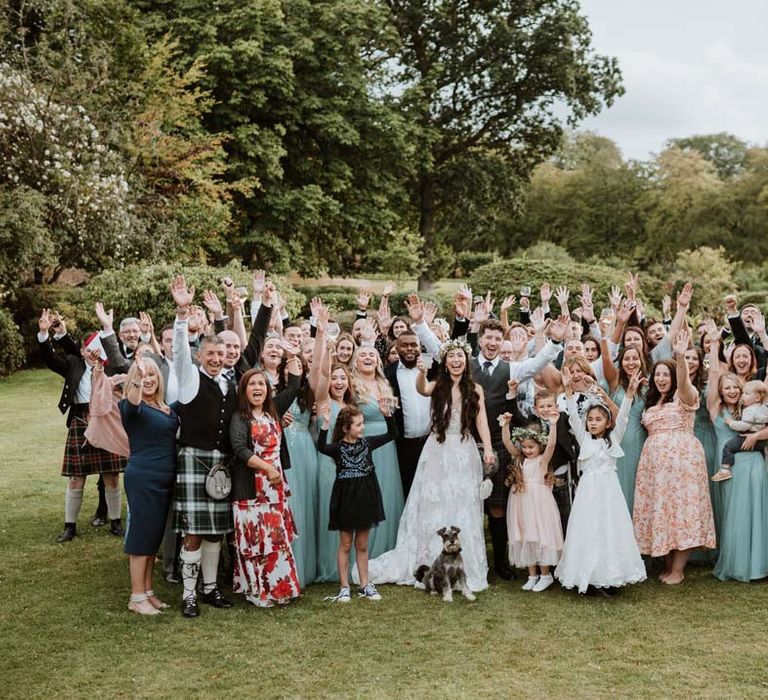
{"points": [[205, 419]]}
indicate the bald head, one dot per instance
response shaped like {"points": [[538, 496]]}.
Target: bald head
{"points": [[233, 347]]}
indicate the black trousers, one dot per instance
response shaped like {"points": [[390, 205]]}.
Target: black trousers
{"points": [[408, 454]]}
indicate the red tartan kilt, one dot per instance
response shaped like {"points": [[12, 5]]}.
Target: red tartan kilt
{"points": [[80, 457]]}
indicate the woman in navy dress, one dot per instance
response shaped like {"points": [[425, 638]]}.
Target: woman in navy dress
{"points": [[150, 474]]}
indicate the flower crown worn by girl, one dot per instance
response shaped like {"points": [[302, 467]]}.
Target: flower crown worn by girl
{"points": [[519, 434], [455, 344]]}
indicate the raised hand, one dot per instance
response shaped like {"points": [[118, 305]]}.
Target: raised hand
{"points": [[45, 321], [259, 280], [731, 304], [640, 309], [268, 293], [538, 320], [518, 337], [614, 298], [106, 318], [461, 305], [466, 292], [194, 319], [228, 286], [368, 331], [681, 342], [507, 302], [625, 311], [504, 419], [684, 298], [415, 308], [558, 329], [481, 312], [758, 323], [389, 287], [512, 387], [711, 329], [236, 302], [562, 295], [632, 285], [635, 381], [666, 306], [212, 303], [384, 315], [322, 315], [146, 327], [565, 377], [363, 299], [430, 311], [181, 295], [545, 293], [57, 323]]}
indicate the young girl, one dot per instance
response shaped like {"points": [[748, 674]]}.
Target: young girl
{"points": [[600, 548], [754, 417], [356, 502], [533, 520]]}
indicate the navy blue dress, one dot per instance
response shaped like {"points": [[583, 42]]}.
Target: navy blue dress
{"points": [[150, 474]]}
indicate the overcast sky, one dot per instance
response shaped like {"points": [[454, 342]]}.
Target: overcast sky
{"points": [[689, 67]]}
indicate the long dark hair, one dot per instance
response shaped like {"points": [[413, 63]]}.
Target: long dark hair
{"points": [[390, 332], [654, 395], [441, 402], [244, 407], [623, 376], [641, 333], [344, 422], [698, 378], [306, 398]]}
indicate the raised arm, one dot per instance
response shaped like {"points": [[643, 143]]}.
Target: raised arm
{"points": [[685, 390], [549, 450], [683, 302], [506, 438], [715, 370], [187, 373], [424, 387]]}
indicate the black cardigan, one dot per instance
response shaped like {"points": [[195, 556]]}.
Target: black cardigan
{"points": [[243, 483]]}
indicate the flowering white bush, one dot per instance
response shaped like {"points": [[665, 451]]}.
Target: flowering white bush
{"points": [[55, 149]]}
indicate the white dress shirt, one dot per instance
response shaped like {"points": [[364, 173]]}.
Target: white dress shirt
{"points": [[187, 372], [417, 419]]}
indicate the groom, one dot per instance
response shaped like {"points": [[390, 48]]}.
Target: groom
{"points": [[493, 374]]}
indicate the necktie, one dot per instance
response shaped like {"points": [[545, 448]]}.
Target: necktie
{"points": [[487, 368], [229, 374]]}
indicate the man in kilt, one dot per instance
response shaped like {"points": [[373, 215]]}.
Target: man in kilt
{"points": [[493, 374], [207, 401], [81, 459]]}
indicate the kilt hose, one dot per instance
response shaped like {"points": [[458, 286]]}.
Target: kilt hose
{"points": [[80, 457], [194, 511]]}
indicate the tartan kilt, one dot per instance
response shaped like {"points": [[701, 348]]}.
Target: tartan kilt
{"points": [[80, 457], [194, 512], [500, 493]]}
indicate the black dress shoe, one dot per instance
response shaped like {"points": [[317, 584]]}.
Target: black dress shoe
{"points": [[116, 528], [505, 571], [189, 607], [69, 533], [99, 519], [216, 599]]}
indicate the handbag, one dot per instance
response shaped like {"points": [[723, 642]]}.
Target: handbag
{"points": [[218, 482]]}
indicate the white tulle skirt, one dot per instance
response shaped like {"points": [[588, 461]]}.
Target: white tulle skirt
{"points": [[600, 547], [445, 492]]}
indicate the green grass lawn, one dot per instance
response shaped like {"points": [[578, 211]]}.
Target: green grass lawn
{"points": [[66, 631]]}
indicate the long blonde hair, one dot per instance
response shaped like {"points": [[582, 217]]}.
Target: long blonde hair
{"points": [[134, 375], [360, 387]]}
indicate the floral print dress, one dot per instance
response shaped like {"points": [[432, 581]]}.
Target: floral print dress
{"points": [[672, 509], [264, 568]]}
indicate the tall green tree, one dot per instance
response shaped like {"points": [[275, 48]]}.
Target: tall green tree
{"points": [[292, 86], [498, 77]]}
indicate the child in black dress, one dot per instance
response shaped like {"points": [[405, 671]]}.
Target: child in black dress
{"points": [[356, 503]]}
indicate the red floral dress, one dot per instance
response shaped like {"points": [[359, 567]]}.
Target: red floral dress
{"points": [[264, 568]]}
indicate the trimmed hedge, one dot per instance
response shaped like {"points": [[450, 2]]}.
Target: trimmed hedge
{"points": [[507, 276]]}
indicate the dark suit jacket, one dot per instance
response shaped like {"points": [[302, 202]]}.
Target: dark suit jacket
{"points": [[69, 365]]}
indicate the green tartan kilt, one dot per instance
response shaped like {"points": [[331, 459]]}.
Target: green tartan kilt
{"points": [[194, 512]]}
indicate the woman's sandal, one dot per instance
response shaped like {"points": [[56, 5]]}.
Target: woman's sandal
{"points": [[142, 606], [156, 602]]}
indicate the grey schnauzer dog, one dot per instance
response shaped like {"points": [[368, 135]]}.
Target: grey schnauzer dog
{"points": [[446, 574]]}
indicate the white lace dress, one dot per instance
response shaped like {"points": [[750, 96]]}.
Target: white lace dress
{"points": [[445, 492], [600, 547]]}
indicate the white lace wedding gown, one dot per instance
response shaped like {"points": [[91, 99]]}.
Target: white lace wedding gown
{"points": [[445, 492]]}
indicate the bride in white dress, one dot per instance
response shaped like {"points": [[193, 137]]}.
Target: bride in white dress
{"points": [[446, 487]]}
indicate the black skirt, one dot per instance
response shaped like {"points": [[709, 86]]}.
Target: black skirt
{"points": [[356, 504]]}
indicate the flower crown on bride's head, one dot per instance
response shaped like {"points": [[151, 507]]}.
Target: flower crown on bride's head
{"points": [[454, 344]]}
